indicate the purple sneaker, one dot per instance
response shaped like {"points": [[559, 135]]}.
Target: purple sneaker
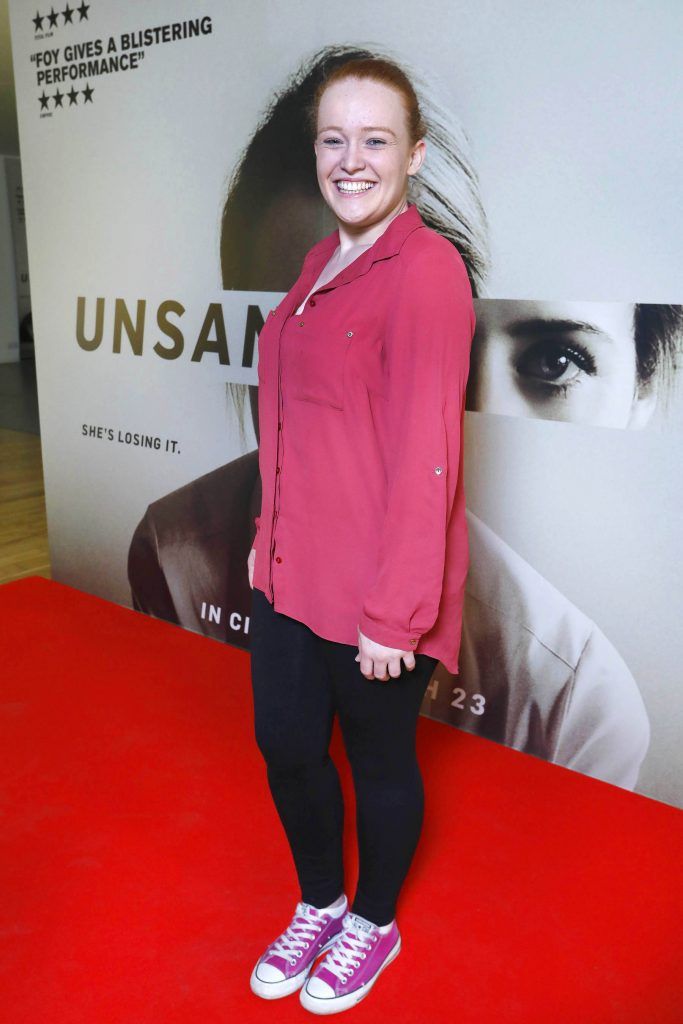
{"points": [[286, 963], [351, 967]]}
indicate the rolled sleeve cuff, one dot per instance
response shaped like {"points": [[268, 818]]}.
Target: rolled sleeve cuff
{"points": [[386, 636]]}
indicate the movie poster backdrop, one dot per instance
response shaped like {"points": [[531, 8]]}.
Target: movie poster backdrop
{"points": [[171, 196]]}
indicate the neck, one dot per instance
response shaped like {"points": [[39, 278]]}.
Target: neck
{"points": [[369, 235]]}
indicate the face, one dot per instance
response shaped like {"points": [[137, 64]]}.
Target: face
{"points": [[558, 361], [363, 152]]}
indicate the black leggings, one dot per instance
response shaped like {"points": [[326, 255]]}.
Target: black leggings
{"points": [[299, 680]]}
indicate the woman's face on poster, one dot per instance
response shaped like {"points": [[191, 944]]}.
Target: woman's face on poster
{"points": [[558, 360]]}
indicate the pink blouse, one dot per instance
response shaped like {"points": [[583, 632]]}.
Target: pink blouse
{"points": [[361, 413]]}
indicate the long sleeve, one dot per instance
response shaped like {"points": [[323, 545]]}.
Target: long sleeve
{"points": [[427, 353]]}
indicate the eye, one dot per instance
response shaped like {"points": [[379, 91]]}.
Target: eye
{"points": [[382, 142], [330, 141], [555, 365]]}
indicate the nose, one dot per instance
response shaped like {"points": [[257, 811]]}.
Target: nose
{"points": [[352, 158]]}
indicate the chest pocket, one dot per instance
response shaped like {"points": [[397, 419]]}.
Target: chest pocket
{"points": [[316, 363]]}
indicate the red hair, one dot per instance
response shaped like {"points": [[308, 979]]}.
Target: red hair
{"points": [[375, 69]]}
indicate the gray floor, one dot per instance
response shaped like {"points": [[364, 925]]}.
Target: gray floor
{"points": [[19, 396]]}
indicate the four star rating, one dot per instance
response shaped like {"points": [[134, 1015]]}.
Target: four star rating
{"points": [[58, 98], [52, 19]]}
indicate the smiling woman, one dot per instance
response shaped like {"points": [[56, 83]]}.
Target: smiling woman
{"points": [[363, 167], [360, 559]]}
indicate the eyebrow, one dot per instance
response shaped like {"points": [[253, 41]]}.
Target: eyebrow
{"points": [[541, 325], [375, 128]]}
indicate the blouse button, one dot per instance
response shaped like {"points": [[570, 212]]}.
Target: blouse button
{"points": [[438, 470], [301, 323], [277, 558], [349, 334], [413, 642], [313, 302]]}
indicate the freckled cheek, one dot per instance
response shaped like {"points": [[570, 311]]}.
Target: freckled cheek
{"points": [[326, 163]]}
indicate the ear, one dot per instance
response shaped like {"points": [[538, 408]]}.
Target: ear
{"points": [[417, 157]]}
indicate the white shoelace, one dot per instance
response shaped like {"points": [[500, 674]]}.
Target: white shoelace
{"points": [[340, 959], [304, 927]]}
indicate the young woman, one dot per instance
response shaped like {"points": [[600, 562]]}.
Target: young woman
{"points": [[359, 564]]}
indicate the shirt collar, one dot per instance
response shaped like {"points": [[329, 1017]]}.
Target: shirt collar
{"points": [[388, 244]]}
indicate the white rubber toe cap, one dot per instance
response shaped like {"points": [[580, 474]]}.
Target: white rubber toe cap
{"points": [[268, 972], [319, 989]]}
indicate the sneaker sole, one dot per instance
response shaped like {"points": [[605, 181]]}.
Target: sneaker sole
{"points": [[339, 1003], [279, 989]]}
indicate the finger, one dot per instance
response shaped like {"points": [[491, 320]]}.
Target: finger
{"points": [[409, 661], [381, 671], [366, 667]]}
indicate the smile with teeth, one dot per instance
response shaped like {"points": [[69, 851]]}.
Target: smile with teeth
{"points": [[354, 186]]}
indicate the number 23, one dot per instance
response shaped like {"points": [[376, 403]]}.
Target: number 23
{"points": [[477, 706]]}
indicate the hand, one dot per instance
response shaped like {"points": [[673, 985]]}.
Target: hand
{"points": [[375, 659], [251, 561]]}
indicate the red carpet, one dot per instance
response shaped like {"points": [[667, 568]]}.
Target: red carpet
{"points": [[144, 868]]}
